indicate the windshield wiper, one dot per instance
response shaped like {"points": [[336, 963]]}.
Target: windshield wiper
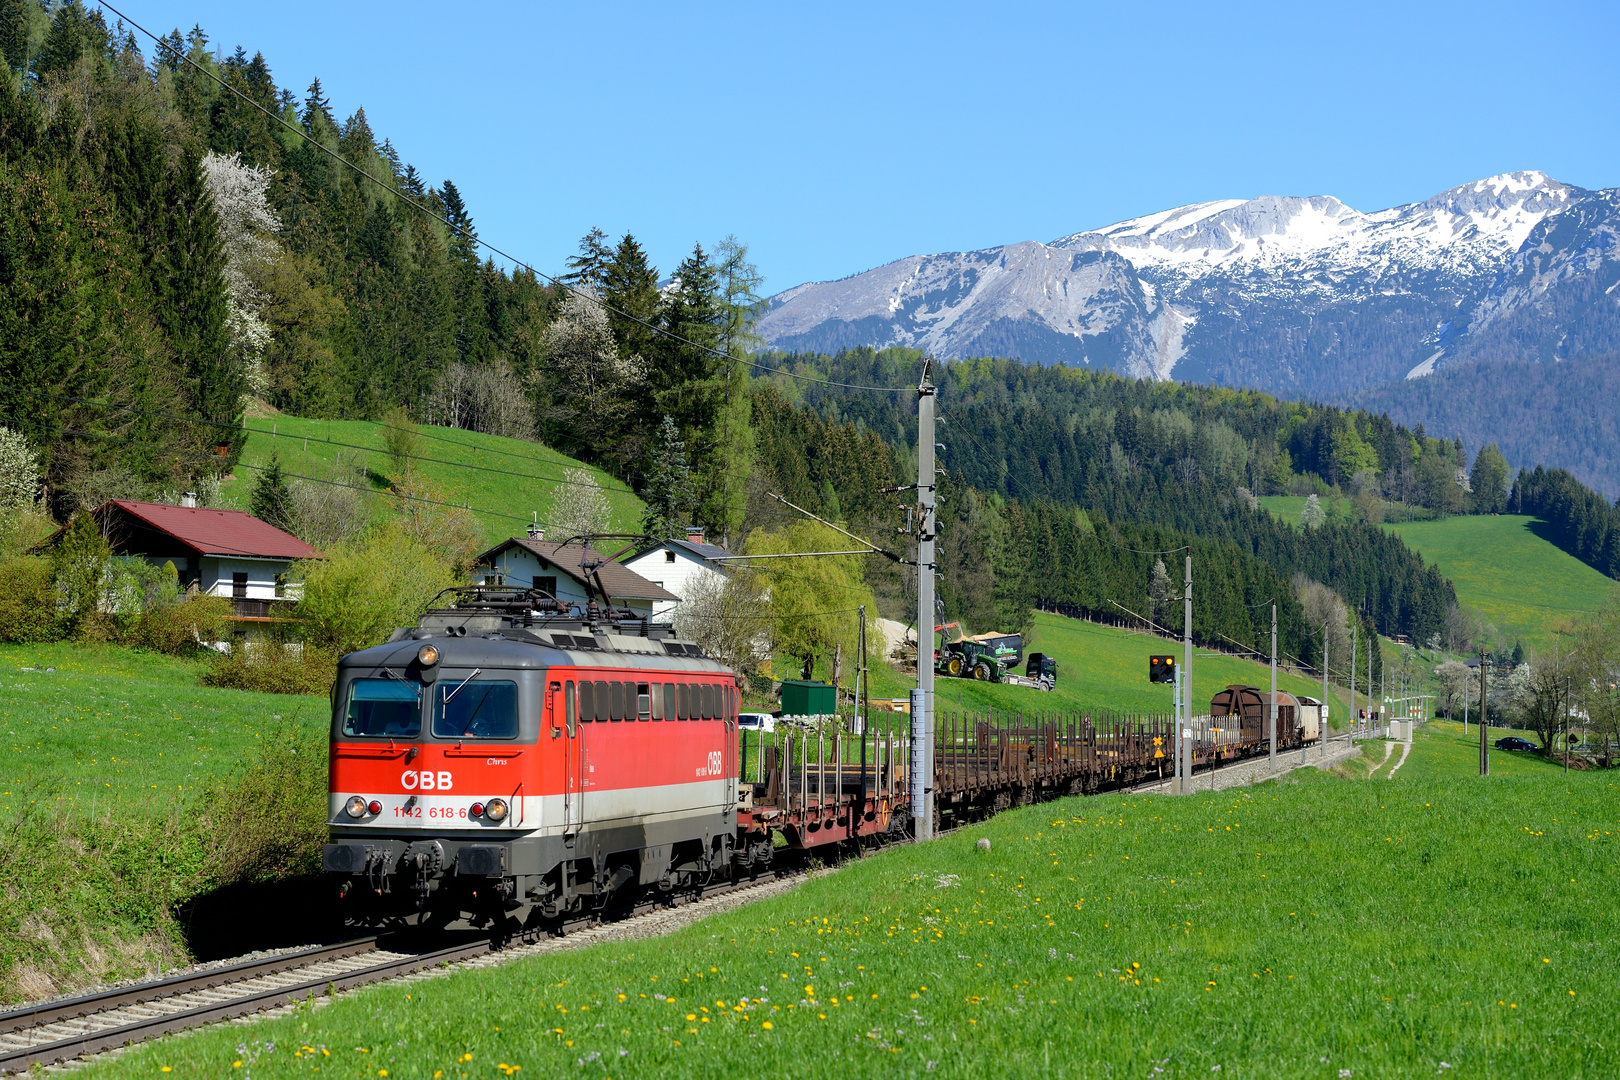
{"points": [[459, 685], [415, 687]]}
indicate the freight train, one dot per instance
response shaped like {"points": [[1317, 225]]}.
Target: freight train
{"points": [[512, 762]]}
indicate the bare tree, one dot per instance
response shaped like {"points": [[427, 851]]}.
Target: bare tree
{"points": [[485, 399], [1160, 592], [1597, 678], [580, 506], [337, 509], [1322, 607], [1542, 693], [729, 617]]}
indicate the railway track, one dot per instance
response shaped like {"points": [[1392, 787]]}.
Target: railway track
{"points": [[58, 1031]]}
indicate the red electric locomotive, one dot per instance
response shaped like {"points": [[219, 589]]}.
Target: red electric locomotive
{"points": [[513, 760]]}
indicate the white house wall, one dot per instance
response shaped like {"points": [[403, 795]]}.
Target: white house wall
{"points": [[217, 576], [676, 577]]}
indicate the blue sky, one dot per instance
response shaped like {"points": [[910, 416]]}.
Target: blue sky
{"points": [[834, 138]]}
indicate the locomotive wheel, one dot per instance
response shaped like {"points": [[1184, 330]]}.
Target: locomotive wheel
{"points": [[981, 672], [953, 666]]}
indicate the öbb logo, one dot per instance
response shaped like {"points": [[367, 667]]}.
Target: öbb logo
{"points": [[411, 780]]}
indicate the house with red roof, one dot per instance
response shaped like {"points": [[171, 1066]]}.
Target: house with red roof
{"points": [[226, 553]]}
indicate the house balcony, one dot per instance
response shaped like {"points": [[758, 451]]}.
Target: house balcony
{"points": [[246, 608]]}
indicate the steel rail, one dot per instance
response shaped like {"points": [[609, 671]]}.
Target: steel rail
{"points": [[75, 1008], [140, 1030]]}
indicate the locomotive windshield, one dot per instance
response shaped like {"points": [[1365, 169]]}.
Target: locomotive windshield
{"points": [[383, 707], [481, 709]]}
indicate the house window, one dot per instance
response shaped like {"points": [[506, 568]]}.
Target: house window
{"points": [[669, 556], [547, 585], [239, 585], [281, 586]]}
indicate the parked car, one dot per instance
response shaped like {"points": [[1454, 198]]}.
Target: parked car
{"points": [[756, 721], [1513, 742]]}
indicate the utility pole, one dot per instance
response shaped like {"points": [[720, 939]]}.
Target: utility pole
{"points": [[1186, 677], [1484, 726], [863, 716], [1324, 718], [922, 699], [1180, 785], [1383, 714], [1353, 712], [1271, 708]]}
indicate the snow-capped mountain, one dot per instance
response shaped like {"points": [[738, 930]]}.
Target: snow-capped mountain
{"points": [[1303, 294]]}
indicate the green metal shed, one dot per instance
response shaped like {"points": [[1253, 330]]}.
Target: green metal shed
{"points": [[803, 698]]}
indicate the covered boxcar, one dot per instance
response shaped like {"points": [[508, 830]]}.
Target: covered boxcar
{"points": [[1248, 705]]}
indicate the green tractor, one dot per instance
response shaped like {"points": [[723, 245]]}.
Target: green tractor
{"points": [[984, 658]]}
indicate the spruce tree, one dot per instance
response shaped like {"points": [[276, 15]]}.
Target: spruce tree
{"points": [[14, 33], [190, 280], [668, 491], [271, 500], [316, 106], [630, 290], [589, 267], [463, 237]]}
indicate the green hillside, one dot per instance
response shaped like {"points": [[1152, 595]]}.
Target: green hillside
{"points": [[1102, 667], [1522, 583], [504, 481]]}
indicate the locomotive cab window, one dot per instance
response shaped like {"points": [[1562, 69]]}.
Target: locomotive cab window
{"points": [[383, 707], [475, 709]]}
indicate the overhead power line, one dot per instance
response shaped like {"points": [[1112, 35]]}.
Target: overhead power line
{"points": [[168, 50]]}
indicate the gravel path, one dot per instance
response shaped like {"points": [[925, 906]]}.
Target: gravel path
{"points": [[1406, 748]]}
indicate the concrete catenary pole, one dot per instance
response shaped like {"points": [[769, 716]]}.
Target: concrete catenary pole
{"points": [[1325, 624], [1353, 714], [1484, 721], [1271, 707], [922, 699], [1186, 677]]}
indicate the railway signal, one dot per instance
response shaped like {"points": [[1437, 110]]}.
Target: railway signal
{"points": [[1162, 669]]}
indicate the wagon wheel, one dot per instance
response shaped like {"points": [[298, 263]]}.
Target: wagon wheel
{"points": [[953, 666], [981, 671]]}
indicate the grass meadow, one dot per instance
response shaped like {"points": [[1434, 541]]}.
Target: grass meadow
{"points": [[113, 730], [508, 480], [106, 762], [1103, 667], [1522, 583], [1323, 926]]}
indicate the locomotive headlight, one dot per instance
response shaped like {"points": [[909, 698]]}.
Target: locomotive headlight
{"points": [[427, 655], [374, 806], [356, 807], [495, 809], [475, 810]]}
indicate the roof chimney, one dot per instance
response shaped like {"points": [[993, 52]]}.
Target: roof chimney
{"points": [[535, 531], [694, 534], [189, 499]]}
